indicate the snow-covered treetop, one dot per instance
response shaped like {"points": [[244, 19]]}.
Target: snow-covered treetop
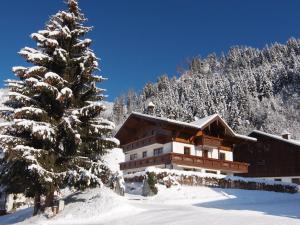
{"points": [[54, 109]]}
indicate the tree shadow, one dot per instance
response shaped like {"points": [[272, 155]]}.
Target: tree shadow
{"points": [[16, 217], [24, 214], [74, 198], [269, 203]]}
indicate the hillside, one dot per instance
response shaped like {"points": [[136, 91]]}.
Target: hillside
{"points": [[179, 205], [248, 87]]}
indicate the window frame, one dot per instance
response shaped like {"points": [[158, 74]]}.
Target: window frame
{"points": [[186, 148], [133, 156], [157, 151], [144, 154], [223, 154]]}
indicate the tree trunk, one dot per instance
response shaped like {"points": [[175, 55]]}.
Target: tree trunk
{"points": [[49, 201], [37, 204]]}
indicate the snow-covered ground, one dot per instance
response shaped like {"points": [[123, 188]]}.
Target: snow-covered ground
{"points": [[180, 205]]}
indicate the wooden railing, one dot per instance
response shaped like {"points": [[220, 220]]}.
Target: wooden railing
{"points": [[211, 141], [154, 139], [215, 142], [187, 160]]}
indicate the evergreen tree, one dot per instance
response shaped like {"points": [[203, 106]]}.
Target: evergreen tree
{"points": [[55, 135]]}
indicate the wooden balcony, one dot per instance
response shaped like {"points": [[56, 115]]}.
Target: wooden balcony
{"points": [[215, 142], [187, 160], [154, 139]]}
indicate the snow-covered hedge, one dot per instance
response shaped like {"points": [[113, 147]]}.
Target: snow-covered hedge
{"points": [[172, 177]]}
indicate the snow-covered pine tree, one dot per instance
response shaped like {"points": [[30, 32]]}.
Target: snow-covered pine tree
{"points": [[54, 136]]}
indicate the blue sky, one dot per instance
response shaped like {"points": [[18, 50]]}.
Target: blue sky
{"points": [[138, 40]]}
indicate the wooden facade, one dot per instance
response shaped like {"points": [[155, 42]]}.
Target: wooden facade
{"points": [[140, 131], [270, 156]]}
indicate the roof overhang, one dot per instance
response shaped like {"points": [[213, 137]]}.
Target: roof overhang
{"points": [[197, 125]]}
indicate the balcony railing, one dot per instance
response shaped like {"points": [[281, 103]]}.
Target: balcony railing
{"points": [[187, 160], [154, 139]]}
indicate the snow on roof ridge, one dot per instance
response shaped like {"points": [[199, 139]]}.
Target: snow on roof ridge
{"points": [[166, 119], [291, 141]]}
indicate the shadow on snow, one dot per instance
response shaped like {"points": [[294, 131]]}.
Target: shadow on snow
{"points": [[268, 203]]}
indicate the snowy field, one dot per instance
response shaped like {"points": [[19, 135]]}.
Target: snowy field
{"points": [[179, 205]]}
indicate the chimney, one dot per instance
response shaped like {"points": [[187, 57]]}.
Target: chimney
{"points": [[286, 135], [150, 108]]}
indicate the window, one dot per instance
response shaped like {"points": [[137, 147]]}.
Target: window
{"points": [[205, 153], [187, 150], [144, 154], [211, 171], [157, 151], [222, 156], [296, 180], [277, 179], [133, 156]]}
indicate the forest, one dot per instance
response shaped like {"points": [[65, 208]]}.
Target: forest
{"points": [[250, 88]]}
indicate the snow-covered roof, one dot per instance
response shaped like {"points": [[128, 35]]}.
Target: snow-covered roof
{"points": [[285, 132], [163, 119], [203, 121], [290, 141], [198, 124]]}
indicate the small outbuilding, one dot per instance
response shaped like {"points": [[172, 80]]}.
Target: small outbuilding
{"points": [[271, 157]]}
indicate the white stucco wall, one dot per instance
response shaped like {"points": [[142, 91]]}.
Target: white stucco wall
{"points": [[228, 155], [178, 147], [139, 151], [283, 179]]}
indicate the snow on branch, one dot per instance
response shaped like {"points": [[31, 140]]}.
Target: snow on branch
{"points": [[39, 130], [92, 110], [45, 41], [19, 70], [83, 44], [99, 79], [28, 112], [61, 54], [19, 96], [54, 79], [8, 140], [44, 87], [31, 155], [64, 94], [81, 31], [34, 56]]}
